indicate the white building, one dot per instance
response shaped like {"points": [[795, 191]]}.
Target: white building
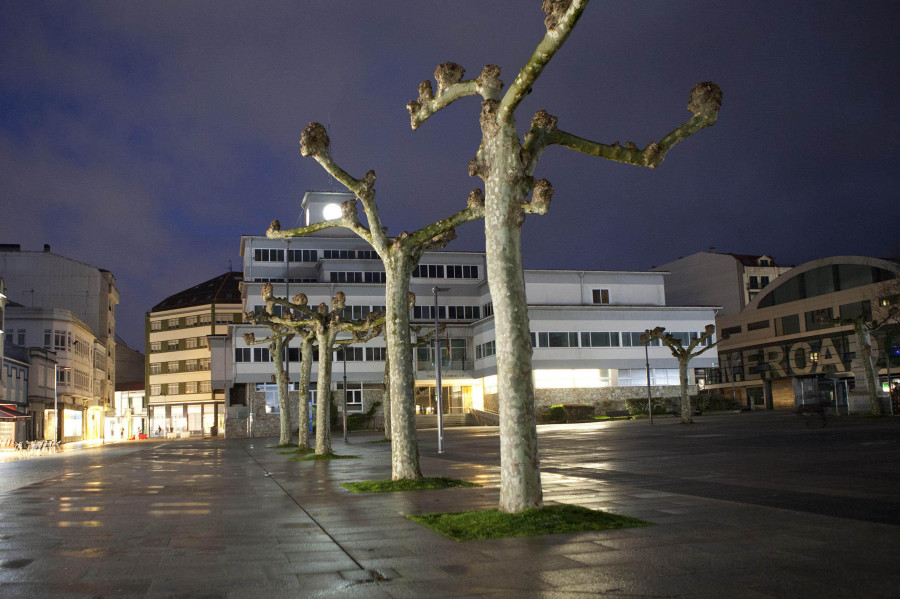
{"points": [[66, 347], [585, 328]]}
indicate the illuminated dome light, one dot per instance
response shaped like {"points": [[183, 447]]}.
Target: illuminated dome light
{"points": [[331, 211]]}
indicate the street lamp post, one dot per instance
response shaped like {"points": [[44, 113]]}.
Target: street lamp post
{"points": [[437, 369], [647, 363], [344, 409]]}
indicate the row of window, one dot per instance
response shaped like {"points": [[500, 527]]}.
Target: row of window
{"points": [[369, 276], [181, 388], [813, 320], [179, 366], [205, 319], [353, 354], [447, 312], [178, 344], [354, 394], [446, 271], [277, 255]]}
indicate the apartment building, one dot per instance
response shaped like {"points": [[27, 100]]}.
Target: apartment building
{"points": [[710, 278], [585, 328], [182, 400]]}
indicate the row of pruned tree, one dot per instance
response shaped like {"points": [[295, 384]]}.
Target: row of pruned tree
{"points": [[506, 163]]}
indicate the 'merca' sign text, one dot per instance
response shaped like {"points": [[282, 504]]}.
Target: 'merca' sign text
{"points": [[811, 356]]}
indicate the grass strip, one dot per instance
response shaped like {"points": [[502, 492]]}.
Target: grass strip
{"points": [[407, 484], [325, 456], [548, 520], [297, 451]]}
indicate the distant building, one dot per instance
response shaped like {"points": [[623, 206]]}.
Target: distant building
{"points": [[181, 397], [130, 407], [783, 349], [713, 279], [585, 327], [48, 280]]}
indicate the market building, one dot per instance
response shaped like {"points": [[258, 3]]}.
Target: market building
{"points": [[793, 343]]}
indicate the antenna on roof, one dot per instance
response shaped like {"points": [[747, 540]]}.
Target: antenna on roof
{"points": [[229, 266]]}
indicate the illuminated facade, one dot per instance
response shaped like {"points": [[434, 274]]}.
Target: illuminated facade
{"points": [[585, 328], [182, 399], [787, 347]]}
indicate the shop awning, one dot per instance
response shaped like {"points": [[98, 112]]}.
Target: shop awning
{"points": [[9, 412]]}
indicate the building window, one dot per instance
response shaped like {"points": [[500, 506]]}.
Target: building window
{"points": [[375, 354], [758, 325], [632, 377], [488, 309], [155, 325], [190, 387], [271, 391], [190, 321], [375, 277], [155, 346], [268, 255], [204, 387], [155, 368], [819, 319], [303, 255], [754, 282], [346, 277], [633, 339], [431, 271], [172, 389], [172, 367], [427, 312], [787, 325], [763, 281], [190, 343], [172, 345], [462, 271], [599, 339], [190, 365], [354, 395], [172, 323], [155, 389], [261, 354], [205, 318], [600, 296], [242, 354], [203, 364], [354, 354]]}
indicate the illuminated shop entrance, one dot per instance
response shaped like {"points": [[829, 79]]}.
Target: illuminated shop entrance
{"points": [[454, 399]]}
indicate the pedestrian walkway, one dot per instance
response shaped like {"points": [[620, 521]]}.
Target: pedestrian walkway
{"points": [[215, 518]]}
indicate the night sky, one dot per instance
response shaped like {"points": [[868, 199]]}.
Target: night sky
{"points": [[146, 137]]}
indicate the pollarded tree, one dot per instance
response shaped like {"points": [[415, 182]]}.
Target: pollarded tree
{"points": [[276, 342], [506, 165], [684, 355], [327, 325], [283, 330], [400, 255]]}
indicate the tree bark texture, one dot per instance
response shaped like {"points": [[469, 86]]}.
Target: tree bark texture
{"points": [[386, 395], [864, 342], [325, 340], [520, 478], [687, 414], [404, 445], [281, 379], [303, 388]]}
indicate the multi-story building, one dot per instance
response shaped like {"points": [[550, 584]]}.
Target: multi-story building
{"points": [[60, 346], [585, 328], [730, 281], [787, 346], [48, 280], [182, 400]]}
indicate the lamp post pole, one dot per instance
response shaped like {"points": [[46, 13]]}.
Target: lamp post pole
{"points": [[55, 402], [344, 409], [647, 364], [437, 369]]}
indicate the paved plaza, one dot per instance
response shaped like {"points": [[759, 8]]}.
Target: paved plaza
{"points": [[753, 505]]}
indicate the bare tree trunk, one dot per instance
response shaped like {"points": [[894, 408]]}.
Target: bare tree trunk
{"points": [[687, 414], [323, 393], [303, 388], [404, 446], [281, 379], [864, 344], [520, 477], [386, 396]]}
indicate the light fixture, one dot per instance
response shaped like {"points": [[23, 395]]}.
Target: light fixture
{"points": [[331, 211]]}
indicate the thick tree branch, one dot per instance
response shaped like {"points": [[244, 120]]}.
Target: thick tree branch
{"points": [[561, 18], [706, 99], [452, 88]]}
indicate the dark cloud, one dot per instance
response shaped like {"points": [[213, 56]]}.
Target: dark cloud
{"points": [[147, 137]]}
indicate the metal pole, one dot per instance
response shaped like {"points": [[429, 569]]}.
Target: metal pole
{"points": [[649, 396], [55, 402], [344, 410], [437, 372]]}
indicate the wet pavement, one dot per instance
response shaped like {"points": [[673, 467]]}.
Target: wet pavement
{"points": [[745, 505]]}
